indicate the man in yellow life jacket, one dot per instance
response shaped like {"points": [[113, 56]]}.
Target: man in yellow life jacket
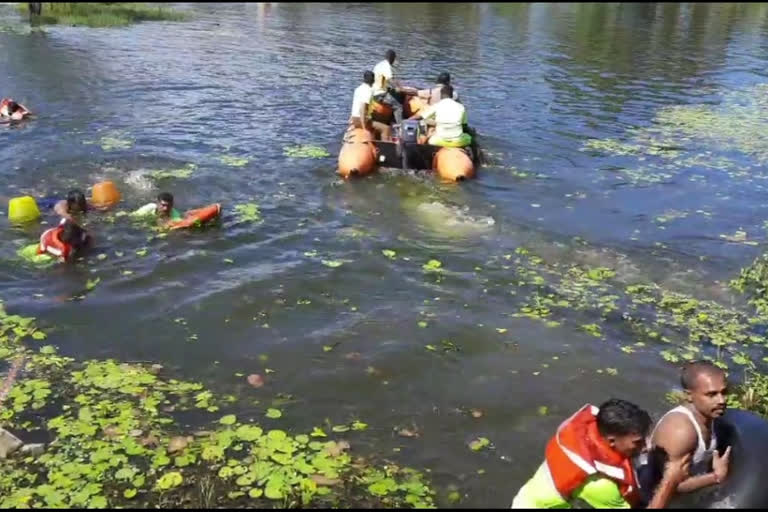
{"points": [[589, 459], [450, 121]]}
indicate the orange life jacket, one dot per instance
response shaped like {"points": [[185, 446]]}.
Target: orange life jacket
{"points": [[577, 451], [50, 243]]}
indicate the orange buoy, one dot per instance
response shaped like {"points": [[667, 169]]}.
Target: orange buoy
{"points": [[453, 164], [198, 216], [358, 154], [105, 194]]}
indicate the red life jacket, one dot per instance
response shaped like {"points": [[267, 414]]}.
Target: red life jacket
{"points": [[50, 243], [578, 451]]}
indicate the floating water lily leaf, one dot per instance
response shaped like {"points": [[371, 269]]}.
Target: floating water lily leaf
{"points": [[91, 284], [129, 493], [332, 263], [169, 481], [317, 432], [479, 444], [229, 419], [273, 413], [432, 266], [389, 253], [255, 493]]}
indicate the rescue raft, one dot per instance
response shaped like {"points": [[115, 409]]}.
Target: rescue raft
{"points": [[361, 153]]}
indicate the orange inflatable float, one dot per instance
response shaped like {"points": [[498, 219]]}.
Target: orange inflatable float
{"points": [[198, 216], [453, 164], [358, 154], [105, 194]]}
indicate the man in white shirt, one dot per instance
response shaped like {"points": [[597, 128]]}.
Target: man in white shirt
{"points": [[360, 103], [450, 121]]}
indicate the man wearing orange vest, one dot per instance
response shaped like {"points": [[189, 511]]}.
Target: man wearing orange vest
{"points": [[589, 459], [63, 241]]}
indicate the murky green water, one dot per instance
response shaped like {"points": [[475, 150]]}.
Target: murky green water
{"points": [[669, 189]]}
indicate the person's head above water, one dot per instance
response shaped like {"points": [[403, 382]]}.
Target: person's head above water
{"points": [[444, 78], [446, 91], [368, 77], [164, 203], [13, 107], [706, 388], [624, 426], [73, 234], [76, 201], [390, 56]]}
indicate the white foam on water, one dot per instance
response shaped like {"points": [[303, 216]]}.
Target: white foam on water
{"points": [[452, 219]]}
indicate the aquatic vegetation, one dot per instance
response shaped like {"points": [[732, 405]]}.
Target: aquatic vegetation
{"points": [[681, 137], [93, 14], [29, 253], [114, 140], [248, 212], [115, 442], [181, 173], [305, 151], [753, 281], [234, 161]]}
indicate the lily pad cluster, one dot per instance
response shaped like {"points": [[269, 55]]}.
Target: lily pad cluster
{"points": [[115, 442]]}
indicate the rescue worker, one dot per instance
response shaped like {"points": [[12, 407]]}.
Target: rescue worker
{"points": [[589, 459], [450, 121]]}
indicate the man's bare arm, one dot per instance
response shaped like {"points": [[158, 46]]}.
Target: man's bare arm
{"points": [[678, 437]]}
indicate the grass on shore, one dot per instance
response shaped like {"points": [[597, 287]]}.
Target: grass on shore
{"points": [[92, 14]]}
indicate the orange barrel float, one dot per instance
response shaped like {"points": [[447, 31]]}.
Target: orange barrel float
{"points": [[105, 194], [453, 164], [198, 216], [358, 154]]}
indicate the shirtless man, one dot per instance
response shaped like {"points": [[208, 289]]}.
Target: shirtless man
{"points": [[687, 429]]}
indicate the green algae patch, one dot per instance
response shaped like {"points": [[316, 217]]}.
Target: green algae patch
{"points": [[248, 212], [234, 161], [305, 151], [180, 173], [115, 442]]}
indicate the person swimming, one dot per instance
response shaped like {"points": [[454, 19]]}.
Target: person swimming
{"points": [[64, 241], [163, 209]]}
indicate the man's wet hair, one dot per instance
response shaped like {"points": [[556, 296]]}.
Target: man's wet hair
{"points": [[76, 197], [390, 56], [368, 77], [690, 372], [73, 234], [620, 418], [444, 78], [165, 197]]}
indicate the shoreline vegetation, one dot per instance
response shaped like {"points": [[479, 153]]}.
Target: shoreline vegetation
{"points": [[97, 15]]}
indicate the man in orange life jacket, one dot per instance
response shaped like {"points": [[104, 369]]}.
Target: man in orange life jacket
{"points": [[589, 459], [63, 241]]}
